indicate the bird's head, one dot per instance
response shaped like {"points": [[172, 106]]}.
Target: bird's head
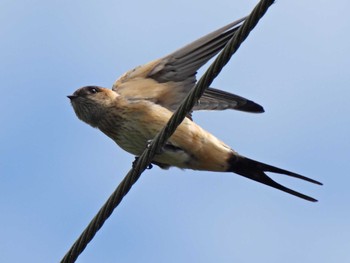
{"points": [[91, 102]]}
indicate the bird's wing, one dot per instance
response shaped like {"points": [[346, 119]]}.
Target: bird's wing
{"points": [[167, 81], [214, 99]]}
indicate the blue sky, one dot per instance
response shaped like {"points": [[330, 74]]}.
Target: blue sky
{"points": [[56, 171]]}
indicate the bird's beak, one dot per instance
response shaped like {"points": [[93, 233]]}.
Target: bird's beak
{"points": [[72, 97]]}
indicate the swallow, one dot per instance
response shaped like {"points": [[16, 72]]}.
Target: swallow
{"points": [[143, 99]]}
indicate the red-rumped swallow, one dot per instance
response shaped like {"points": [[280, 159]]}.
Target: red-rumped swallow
{"points": [[143, 99]]}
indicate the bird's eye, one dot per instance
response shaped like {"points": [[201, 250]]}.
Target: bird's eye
{"points": [[93, 90]]}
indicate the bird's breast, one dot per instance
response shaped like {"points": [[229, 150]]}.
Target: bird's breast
{"points": [[135, 123]]}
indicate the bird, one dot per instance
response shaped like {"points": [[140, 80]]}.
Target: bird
{"points": [[143, 99]]}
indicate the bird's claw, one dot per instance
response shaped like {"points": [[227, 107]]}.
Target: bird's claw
{"points": [[150, 166], [149, 143]]}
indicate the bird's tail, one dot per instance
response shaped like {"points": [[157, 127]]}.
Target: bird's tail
{"points": [[256, 171]]}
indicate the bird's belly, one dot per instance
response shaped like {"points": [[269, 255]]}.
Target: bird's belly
{"points": [[133, 142], [136, 143]]}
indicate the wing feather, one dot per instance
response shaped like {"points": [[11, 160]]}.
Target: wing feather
{"points": [[167, 81]]}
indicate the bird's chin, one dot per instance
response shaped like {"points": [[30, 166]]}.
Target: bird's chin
{"points": [[85, 115]]}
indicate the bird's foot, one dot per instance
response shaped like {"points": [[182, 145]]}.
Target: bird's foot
{"points": [[150, 166], [159, 151]]}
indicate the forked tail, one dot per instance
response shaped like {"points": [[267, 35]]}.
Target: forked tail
{"points": [[256, 171]]}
